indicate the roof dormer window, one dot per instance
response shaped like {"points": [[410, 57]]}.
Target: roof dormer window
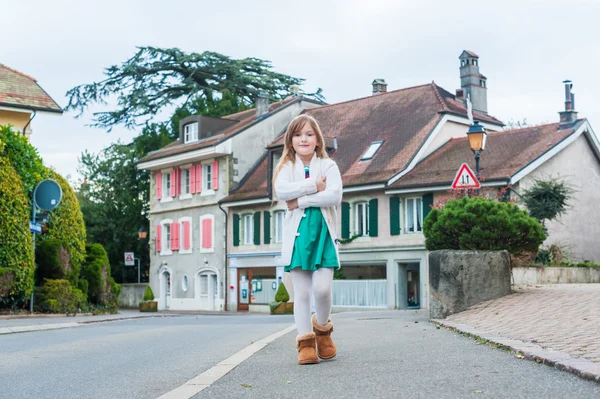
{"points": [[190, 132], [370, 153]]}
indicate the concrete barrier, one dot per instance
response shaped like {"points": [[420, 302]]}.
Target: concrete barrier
{"points": [[459, 279], [131, 295], [555, 275]]}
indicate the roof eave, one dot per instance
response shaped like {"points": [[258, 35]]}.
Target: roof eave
{"points": [[32, 108]]}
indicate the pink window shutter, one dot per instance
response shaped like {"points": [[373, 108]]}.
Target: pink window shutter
{"points": [[178, 181], [207, 233], [215, 175], [158, 186], [172, 183], [172, 240], [177, 236], [186, 235], [193, 179], [158, 237], [199, 178]]}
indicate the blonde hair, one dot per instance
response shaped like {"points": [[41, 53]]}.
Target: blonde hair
{"points": [[289, 155]]}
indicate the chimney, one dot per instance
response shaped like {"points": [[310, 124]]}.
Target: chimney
{"points": [[379, 86], [473, 84], [569, 115], [262, 105]]}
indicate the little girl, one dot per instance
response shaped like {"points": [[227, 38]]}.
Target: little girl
{"points": [[310, 183]]}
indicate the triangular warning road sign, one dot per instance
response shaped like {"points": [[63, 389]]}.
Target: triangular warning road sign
{"points": [[129, 257], [465, 178]]}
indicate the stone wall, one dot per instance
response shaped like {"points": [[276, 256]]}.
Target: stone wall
{"points": [[131, 295], [460, 279], [555, 275]]}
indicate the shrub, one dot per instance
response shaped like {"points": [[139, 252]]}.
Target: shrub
{"points": [[282, 295], [148, 294], [16, 246], [52, 261], [482, 224], [24, 158], [58, 296], [66, 225], [102, 288]]}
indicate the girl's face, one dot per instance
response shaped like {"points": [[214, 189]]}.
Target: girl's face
{"points": [[305, 141]]}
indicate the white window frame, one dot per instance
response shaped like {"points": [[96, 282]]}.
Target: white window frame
{"points": [[181, 249], [416, 215], [211, 217], [185, 170], [365, 217], [189, 134], [248, 228], [278, 231], [206, 180], [166, 192], [165, 238], [185, 283], [371, 151]]}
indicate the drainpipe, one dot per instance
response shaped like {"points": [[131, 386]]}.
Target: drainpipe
{"points": [[226, 286], [29, 122]]}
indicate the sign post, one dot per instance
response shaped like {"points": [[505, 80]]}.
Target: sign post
{"points": [[130, 261], [465, 179]]}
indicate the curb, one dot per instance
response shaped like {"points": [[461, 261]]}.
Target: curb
{"points": [[57, 326], [582, 368]]}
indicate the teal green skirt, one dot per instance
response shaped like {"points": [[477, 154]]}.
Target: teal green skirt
{"points": [[313, 247]]}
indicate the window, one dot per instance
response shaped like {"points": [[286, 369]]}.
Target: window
{"points": [[279, 226], [167, 228], [185, 283], [165, 237], [463, 62], [207, 176], [167, 184], [474, 62], [361, 219], [185, 181], [371, 150], [414, 215], [248, 231], [190, 132], [482, 83]]}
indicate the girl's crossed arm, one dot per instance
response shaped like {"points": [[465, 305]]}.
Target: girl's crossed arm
{"points": [[331, 196], [286, 189]]}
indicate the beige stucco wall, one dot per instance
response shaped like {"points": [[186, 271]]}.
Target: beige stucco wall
{"points": [[578, 230], [17, 119], [450, 130]]}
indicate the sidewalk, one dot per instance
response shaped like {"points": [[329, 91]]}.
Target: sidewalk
{"points": [[396, 354], [10, 324], [555, 324]]}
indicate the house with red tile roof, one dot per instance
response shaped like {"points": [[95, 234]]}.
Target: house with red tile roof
{"points": [[398, 152], [21, 98], [188, 179]]}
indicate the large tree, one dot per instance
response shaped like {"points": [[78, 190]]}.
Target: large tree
{"points": [[155, 78]]}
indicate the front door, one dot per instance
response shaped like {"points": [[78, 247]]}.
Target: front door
{"points": [[166, 289], [207, 289], [244, 288]]}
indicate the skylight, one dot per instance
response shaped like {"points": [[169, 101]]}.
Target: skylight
{"points": [[371, 150]]}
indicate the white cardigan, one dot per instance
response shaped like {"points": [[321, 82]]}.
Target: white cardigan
{"points": [[291, 183]]}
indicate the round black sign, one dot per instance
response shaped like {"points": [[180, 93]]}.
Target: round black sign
{"points": [[47, 195]]}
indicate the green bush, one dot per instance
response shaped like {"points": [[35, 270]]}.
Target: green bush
{"points": [[66, 225], [102, 288], [58, 296], [482, 224], [52, 261], [24, 158], [16, 246], [148, 294], [579, 264], [282, 295]]}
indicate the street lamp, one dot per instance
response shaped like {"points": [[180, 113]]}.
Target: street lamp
{"points": [[142, 233], [477, 137]]}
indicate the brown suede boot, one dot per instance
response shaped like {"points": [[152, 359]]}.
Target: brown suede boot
{"points": [[326, 349], [305, 344]]}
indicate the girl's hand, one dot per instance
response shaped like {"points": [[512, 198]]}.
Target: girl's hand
{"points": [[292, 204], [321, 184]]}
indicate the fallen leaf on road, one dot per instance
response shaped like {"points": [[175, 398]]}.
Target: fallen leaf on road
{"points": [[288, 382], [519, 356], [477, 391], [247, 385]]}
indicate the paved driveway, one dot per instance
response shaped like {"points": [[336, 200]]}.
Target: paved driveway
{"points": [[564, 317]]}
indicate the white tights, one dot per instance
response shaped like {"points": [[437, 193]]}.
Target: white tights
{"points": [[306, 283]]}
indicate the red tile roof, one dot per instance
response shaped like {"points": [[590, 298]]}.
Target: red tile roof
{"points": [[506, 154], [22, 91], [244, 118], [402, 119]]}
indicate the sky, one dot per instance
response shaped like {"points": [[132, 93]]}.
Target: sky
{"points": [[526, 49]]}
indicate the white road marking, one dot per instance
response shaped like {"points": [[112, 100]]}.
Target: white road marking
{"points": [[210, 376]]}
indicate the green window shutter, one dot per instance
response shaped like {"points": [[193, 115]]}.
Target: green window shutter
{"points": [[345, 220], [394, 216], [267, 232], [373, 227], [236, 230], [427, 202], [256, 228]]}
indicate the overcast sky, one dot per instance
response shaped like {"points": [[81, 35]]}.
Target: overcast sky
{"points": [[526, 49]]}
